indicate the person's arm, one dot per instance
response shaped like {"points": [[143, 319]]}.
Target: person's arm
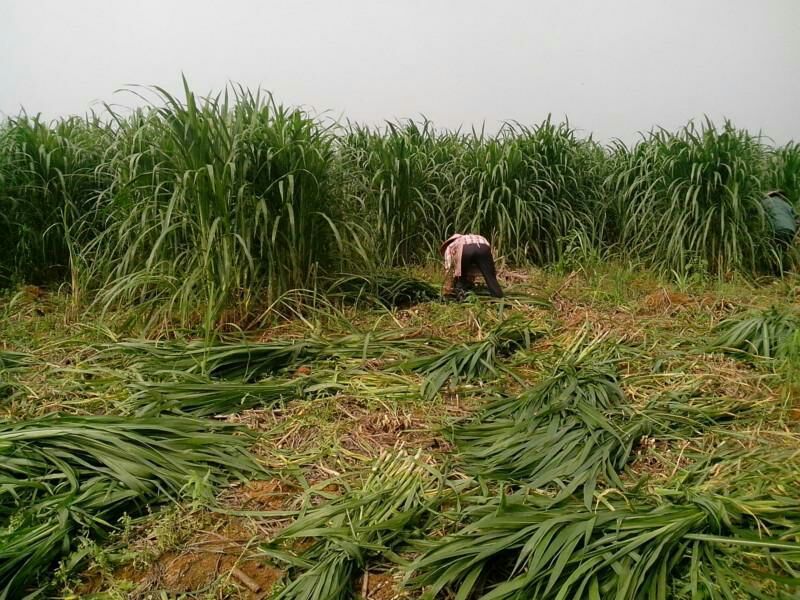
{"points": [[449, 283]]}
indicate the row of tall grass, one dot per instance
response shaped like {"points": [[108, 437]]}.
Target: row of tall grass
{"points": [[202, 210]]}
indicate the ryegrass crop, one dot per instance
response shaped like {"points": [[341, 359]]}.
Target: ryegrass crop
{"points": [[63, 478], [204, 211], [215, 204], [691, 200], [785, 171], [530, 189], [395, 182], [49, 174]]}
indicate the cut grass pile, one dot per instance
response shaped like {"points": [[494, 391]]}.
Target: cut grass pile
{"points": [[204, 398], [576, 428], [247, 361], [382, 289], [528, 546], [767, 333], [397, 500], [63, 479], [10, 363], [471, 361], [568, 429]]}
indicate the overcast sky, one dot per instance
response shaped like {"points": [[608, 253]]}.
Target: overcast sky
{"points": [[614, 67]]}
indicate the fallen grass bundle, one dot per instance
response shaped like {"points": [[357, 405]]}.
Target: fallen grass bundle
{"points": [[764, 333], [389, 290], [239, 360], [575, 428], [394, 503], [11, 363], [472, 360], [247, 361], [198, 396], [65, 478], [569, 429], [522, 546], [10, 360], [202, 397]]}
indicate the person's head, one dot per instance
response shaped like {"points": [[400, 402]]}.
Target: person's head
{"points": [[776, 194], [447, 242]]}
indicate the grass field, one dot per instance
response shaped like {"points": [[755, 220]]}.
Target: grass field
{"points": [[645, 417], [226, 369]]}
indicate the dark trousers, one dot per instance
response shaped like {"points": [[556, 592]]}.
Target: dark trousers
{"points": [[478, 255]]}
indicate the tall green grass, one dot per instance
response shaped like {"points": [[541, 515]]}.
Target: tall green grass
{"points": [[691, 200], [395, 183], [785, 171], [530, 189], [202, 212], [49, 175], [215, 204]]}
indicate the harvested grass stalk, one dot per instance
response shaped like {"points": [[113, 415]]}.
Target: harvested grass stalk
{"points": [[204, 398], [10, 360], [10, 364], [395, 501], [522, 546], [470, 361], [63, 478], [760, 333], [247, 361]]}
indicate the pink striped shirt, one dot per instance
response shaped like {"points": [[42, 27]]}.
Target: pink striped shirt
{"points": [[452, 254]]}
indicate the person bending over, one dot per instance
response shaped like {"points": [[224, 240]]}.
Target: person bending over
{"points": [[466, 256]]}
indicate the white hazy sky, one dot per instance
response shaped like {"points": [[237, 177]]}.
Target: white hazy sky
{"points": [[614, 67]]}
